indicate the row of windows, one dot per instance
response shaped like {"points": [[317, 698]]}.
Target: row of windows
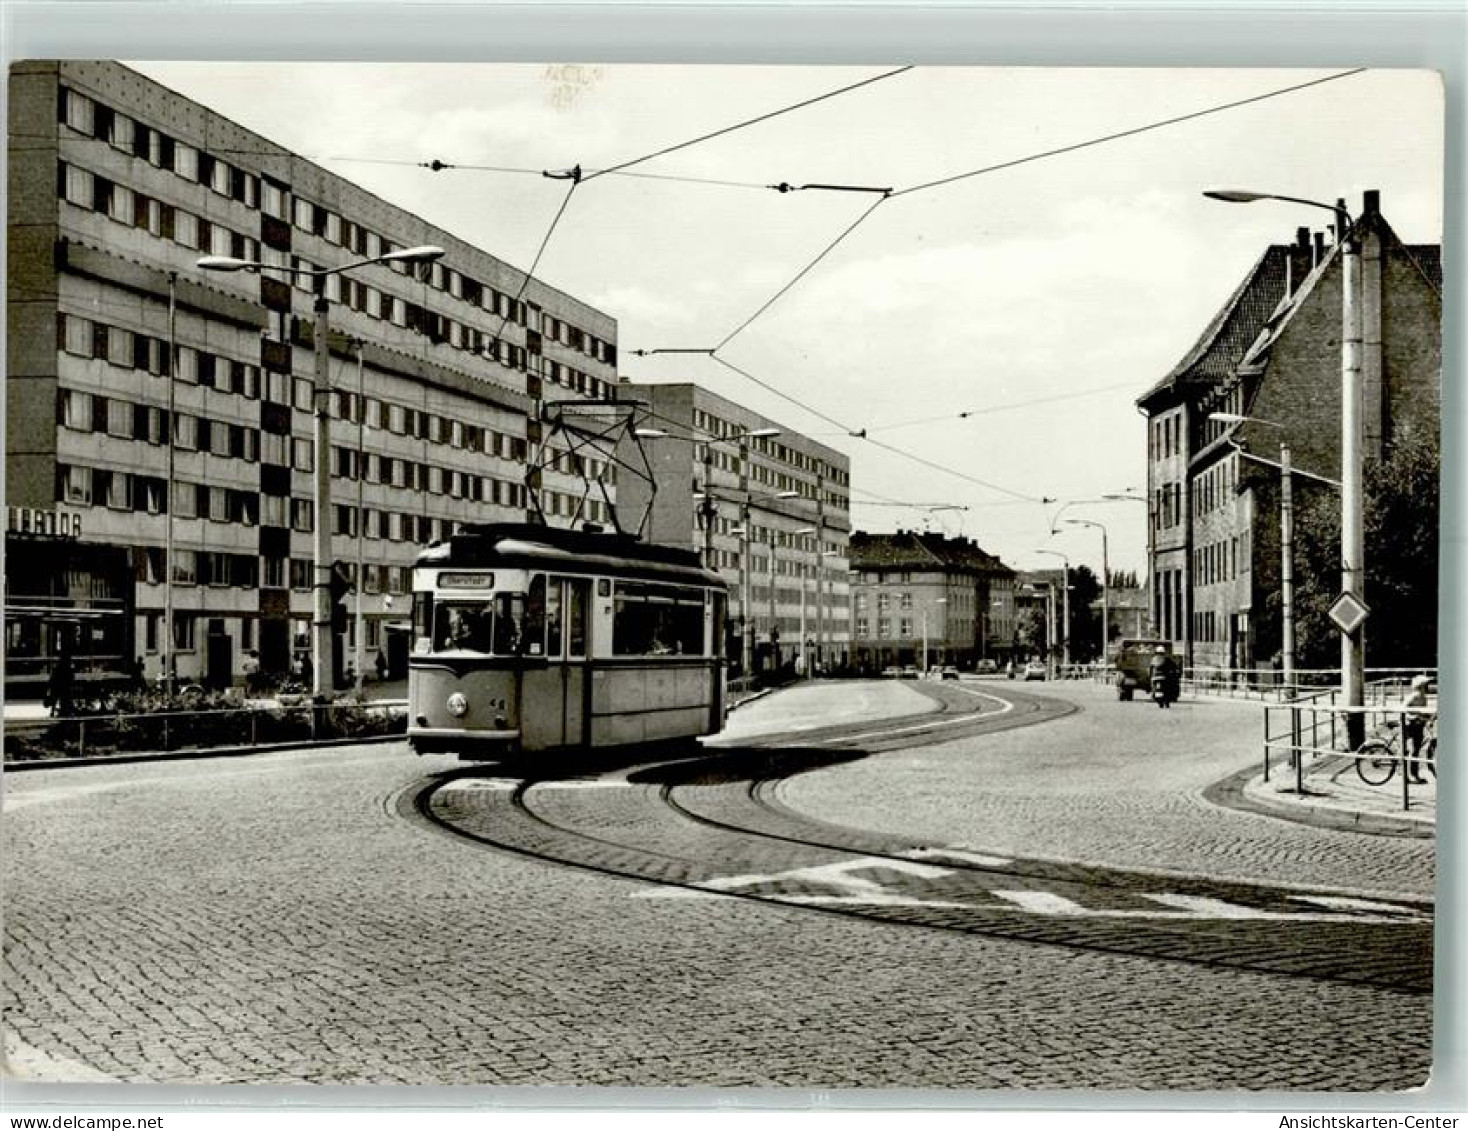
{"points": [[1220, 561], [713, 425], [124, 205], [196, 567], [1166, 437], [128, 349], [96, 120], [1208, 627], [1215, 487], [1167, 505], [145, 494]]}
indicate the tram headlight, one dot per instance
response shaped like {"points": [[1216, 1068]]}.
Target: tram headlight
{"points": [[458, 706]]}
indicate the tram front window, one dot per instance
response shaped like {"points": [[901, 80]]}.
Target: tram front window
{"points": [[493, 627]]}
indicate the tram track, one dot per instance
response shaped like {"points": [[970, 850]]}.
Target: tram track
{"points": [[712, 825]]}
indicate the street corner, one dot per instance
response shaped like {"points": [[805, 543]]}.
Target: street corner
{"points": [[1331, 795]]}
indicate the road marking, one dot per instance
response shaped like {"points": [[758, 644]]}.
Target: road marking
{"points": [[24, 1062], [1006, 706], [846, 884], [977, 859], [508, 785]]}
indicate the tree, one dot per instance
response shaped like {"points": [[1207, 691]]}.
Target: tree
{"points": [[1085, 622], [1401, 527], [1029, 631]]}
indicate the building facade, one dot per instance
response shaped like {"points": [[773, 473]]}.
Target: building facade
{"points": [[924, 599], [1272, 354], [166, 407], [716, 464]]}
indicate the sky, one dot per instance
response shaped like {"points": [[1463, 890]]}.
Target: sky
{"points": [[996, 329]]}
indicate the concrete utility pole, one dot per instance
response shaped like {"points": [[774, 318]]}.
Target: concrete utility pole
{"points": [[1287, 566], [1353, 529], [746, 613]]}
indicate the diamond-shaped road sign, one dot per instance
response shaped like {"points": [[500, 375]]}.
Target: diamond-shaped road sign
{"points": [[1348, 612]]}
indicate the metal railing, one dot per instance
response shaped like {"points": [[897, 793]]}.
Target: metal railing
{"points": [[1314, 726], [81, 736]]}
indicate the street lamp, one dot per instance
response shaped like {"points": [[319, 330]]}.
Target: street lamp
{"points": [[936, 601], [1065, 603], [1105, 583], [1353, 536], [323, 644], [803, 532], [1034, 587]]}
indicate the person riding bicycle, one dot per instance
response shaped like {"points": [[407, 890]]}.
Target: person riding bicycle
{"points": [[1414, 724]]}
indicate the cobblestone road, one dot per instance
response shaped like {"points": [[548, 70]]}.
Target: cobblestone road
{"points": [[275, 920]]}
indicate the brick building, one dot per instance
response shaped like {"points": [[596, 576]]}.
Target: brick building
{"points": [[1273, 353], [909, 586], [118, 186], [711, 457]]}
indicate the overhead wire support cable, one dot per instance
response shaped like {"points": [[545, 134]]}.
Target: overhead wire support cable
{"points": [[830, 247], [749, 122], [785, 186], [525, 282], [779, 393], [1130, 133]]}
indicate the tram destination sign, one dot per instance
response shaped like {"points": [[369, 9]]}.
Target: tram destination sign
{"points": [[45, 524]]}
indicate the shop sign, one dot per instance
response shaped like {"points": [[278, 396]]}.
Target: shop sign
{"points": [[46, 524]]}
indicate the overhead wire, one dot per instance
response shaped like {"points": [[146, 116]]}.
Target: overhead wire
{"points": [[964, 415], [750, 122], [1128, 133]]}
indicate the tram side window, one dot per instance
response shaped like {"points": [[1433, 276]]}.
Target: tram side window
{"points": [[657, 620]]}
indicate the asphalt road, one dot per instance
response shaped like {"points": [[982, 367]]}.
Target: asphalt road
{"points": [[294, 918]]}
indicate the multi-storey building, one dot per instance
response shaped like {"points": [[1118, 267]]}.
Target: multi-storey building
{"points": [[913, 591], [768, 508], [1272, 354], [163, 406]]}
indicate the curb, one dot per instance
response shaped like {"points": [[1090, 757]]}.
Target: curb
{"points": [[196, 754], [1233, 793]]}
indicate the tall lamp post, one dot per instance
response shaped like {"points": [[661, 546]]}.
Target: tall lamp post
{"points": [[1353, 536], [936, 601], [803, 533], [1105, 583], [323, 645], [1065, 604]]}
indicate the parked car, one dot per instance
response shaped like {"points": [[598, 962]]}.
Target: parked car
{"points": [[987, 667], [1034, 670], [910, 672], [891, 673], [950, 672]]}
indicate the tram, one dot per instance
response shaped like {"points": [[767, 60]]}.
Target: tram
{"points": [[528, 638]]}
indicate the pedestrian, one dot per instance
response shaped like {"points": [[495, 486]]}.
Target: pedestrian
{"points": [[251, 668], [59, 687], [307, 673], [135, 678], [381, 667], [1414, 724]]}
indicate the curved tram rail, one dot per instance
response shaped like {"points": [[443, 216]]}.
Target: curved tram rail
{"points": [[710, 824]]}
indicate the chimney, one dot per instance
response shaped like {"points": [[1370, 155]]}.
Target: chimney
{"points": [[1371, 202], [1319, 249]]}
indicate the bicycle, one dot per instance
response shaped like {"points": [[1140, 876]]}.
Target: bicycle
{"points": [[1378, 758]]}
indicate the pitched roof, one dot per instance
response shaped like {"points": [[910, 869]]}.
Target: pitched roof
{"points": [[1238, 323], [923, 551]]}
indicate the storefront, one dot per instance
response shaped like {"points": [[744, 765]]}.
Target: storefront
{"points": [[63, 595]]}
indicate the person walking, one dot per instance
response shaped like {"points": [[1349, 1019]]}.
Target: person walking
{"points": [[60, 686], [251, 667], [1414, 725]]}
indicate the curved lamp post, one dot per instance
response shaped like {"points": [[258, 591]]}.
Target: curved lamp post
{"points": [[1353, 537], [323, 644]]}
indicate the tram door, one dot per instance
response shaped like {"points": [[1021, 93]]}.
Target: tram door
{"points": [[553, 708], [576, 667], [542, 679]]}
